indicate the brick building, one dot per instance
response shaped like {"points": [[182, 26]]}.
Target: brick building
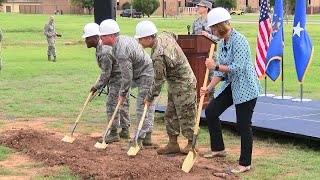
{"points": [[167, 7], [185, 7], [40, 7]]}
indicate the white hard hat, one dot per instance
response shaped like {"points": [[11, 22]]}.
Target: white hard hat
{"points": [[91, 29], [145, 28], [217, 15], [109, 26]]}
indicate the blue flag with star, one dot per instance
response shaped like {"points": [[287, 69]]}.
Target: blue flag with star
{"points": [[275, 51], [301, 42]]}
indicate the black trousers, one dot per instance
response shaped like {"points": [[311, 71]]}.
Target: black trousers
{"points": [[244, 113]]}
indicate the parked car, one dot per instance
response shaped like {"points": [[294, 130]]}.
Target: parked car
{"points": [[127, 13], [237, 12]]}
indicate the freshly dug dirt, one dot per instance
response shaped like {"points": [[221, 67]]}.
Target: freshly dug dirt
{"points": [[110, 163]]}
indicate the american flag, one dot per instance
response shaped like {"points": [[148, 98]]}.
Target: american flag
{"points": [[263, 39]]}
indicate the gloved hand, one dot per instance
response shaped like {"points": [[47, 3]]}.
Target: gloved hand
{"points": [[59, 35], [93, 90]]}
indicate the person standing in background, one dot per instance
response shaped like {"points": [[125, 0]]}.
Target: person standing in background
{"points": [[199, 27], [51, 34]]}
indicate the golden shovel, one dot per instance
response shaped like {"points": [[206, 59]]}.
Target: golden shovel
{"points": [[193, 155], [103, 144], [135, 147], [70, 138]]}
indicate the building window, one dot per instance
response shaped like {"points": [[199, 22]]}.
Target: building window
{"points": [[309, 2], [246, 2]]}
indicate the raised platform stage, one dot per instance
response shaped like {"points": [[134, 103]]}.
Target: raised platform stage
{"points": [[300, 119]]}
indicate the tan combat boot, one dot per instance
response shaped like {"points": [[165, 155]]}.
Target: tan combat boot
{"points": [[171, 148], [187, 148]]}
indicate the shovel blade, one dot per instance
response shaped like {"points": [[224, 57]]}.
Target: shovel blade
{"points": [[68, 139], [102, 145], [189, 161], [133, 149]]}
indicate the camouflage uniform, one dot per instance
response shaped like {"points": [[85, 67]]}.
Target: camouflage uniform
{"points": [[111, 75], [136, 67], [172, 65], [0, 50], [197, 27], [50, 33]]}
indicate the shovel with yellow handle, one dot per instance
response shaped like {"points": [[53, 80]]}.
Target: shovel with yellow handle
{"points": [[133, 150], [193, 155], [103, 144], [70, 138]]}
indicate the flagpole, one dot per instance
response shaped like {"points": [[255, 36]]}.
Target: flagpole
{"points": [[282, 84], [265, 89], [301, 96], [265, 86]]}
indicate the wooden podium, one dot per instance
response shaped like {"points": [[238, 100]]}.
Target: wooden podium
{"points": [[196, 48]]}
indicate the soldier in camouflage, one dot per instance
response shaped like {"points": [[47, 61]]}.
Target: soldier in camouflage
{"points": [[51, 34], [171, 64], [136, 67], [0, 50], [110, 75], [199, 26]]}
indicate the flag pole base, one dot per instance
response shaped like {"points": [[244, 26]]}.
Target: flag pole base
{"points": [[282, 97], [266, 95], [301, 100]]}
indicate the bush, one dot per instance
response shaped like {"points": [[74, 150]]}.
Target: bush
{"points": [[228, 4], [147, 7], [248, 9], [126, 5]]}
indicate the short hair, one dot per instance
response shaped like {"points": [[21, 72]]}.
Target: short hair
{"points": [[222, 27]]}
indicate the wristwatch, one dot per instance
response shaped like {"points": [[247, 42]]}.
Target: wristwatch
{"points": [[216, 68]]}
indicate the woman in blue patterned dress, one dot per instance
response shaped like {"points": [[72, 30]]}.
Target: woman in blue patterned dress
{"points": [[240, 86]]}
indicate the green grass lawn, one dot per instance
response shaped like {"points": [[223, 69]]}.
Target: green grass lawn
{"points": [[32, 87]]}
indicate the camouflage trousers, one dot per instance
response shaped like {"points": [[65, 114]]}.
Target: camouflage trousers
{"points": [[122, 119], [181, 110], [51, 46], [144, 84]]}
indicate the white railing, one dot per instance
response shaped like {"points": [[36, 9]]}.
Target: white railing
{"points": [[187, 11]]}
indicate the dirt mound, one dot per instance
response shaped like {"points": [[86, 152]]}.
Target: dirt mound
{"points": [[111, 163]]}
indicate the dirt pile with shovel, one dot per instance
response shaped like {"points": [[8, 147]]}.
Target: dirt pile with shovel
{"points": [[110, 163]]}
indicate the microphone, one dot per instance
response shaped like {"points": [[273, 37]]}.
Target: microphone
{"points": [[188, 27]]}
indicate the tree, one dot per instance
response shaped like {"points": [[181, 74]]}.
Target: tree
{"points": [[147, 7], [126, 5], [228, 4], [87, 4], [2, 1]]}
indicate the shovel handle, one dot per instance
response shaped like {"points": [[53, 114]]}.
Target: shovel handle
{"points": [[205, 82], [143, 117], [111, 120], [84, 107], [141, 122]]}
